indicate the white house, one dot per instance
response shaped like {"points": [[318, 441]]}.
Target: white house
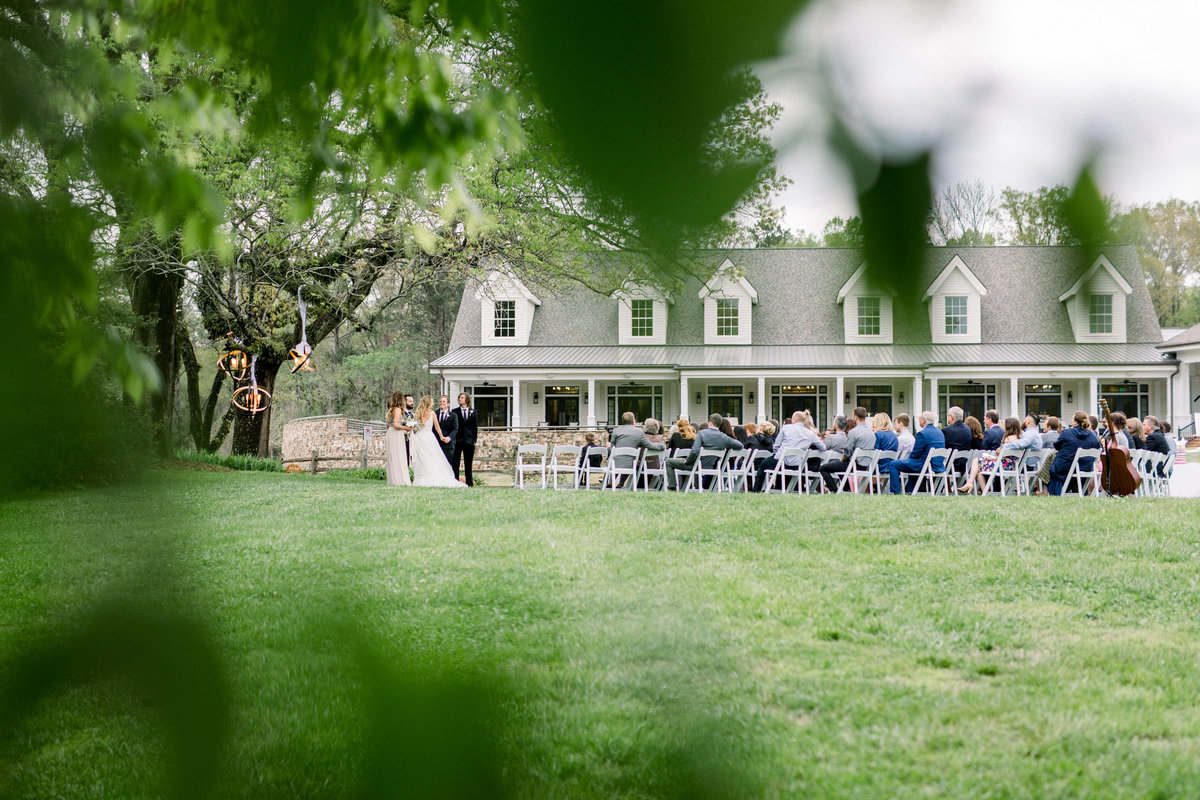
{"points": [[1041, 329]]}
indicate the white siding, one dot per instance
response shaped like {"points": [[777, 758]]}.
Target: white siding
{"points": [[955, 285], [850, 319], [502, 287]]}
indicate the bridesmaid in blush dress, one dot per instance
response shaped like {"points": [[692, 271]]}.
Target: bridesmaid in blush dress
{"points": [[394, 444]]}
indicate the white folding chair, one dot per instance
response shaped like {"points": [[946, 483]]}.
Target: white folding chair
{"points": [[1006, 477], [737, 470], [857, 476], [1033, 463], [928, 476], [650, 476], [623, 462], [1086, 481], [531, 459], [876, 479], [587, 470], [565, 461], [695, 478], [789, 477]]}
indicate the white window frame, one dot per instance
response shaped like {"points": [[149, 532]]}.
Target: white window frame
{"points": [[957, 323]]}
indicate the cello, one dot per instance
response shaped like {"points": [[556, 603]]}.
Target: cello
{"points": [[1119, 478]]}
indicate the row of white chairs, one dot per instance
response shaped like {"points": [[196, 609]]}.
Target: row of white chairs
{"points": [[735, 470]]}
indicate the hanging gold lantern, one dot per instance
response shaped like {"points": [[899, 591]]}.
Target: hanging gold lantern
{"points": [[234, 364], [252, 397]]}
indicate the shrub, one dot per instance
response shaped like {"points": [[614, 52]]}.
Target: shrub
{"points": [[370, 473], [242, 463]]}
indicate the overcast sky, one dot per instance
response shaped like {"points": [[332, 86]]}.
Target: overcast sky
{"points": [[1012, 92]]}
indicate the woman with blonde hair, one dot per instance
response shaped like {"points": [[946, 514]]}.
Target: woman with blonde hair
{"points": [[885, 438], [430, 467], [395, 447]]}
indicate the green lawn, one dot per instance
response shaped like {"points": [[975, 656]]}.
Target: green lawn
{"points": [[335, 638]]}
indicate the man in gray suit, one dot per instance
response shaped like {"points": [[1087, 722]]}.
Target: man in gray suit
{"points": [[860, 437], [628, 434], [712, 438]]}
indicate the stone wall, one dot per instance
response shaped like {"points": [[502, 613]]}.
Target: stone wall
{"points": [[341, 438]]}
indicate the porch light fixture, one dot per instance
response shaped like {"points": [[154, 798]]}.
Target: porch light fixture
{"points": [[901, 398], [535, 398], [847, 397], [750, 399], [699, 398], [1070, 397]]}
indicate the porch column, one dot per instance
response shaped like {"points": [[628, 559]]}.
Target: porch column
{"points": [[591, 401], [916, 399], [1093, 402], [1012, 394], [516, 404], [761, 416], [683, 397], [452, 390], [839, 403], [933, 399]]}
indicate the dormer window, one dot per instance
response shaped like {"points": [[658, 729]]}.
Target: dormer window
{"points": [[727, 316], [1100, 313], [954, 305], [506, 309], [1097, 303], [728, 306], [869, 314], [956, 315], [641, 317], [506, 319]]}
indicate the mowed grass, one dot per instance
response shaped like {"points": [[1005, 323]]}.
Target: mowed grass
{"points": [[621, 645]]}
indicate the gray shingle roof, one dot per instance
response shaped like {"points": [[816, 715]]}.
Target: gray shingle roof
{"points": [[1188, 337], [796, 356], [798, 309]]}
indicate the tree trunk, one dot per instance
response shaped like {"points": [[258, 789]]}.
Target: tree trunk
{"points": [[154, 297], [252, 432]]}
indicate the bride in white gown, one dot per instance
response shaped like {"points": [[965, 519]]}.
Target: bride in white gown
{"points": [[430, 467]]}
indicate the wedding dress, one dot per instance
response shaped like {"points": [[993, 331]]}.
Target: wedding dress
{"points": [[430, 467]]}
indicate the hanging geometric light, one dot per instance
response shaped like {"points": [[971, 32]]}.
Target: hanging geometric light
{"points": [[235, 362], [302, 354], [252, 397]]}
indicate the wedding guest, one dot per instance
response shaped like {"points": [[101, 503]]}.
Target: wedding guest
{"points": [[653, 429], [993, 435], [763, 439], [904, 436], [628, 434], [1077, 437], [976, 433], [958, 437], [683, 436], [1166, 428], [885, 437], [927, 438], [859, 438], [1118, 421], [1137, 436], [985, 466], [1156, 441], [395, 442], [1052, 432], [586, 457], [836, 438], [709, 437], [727, 429], [795, 434]]}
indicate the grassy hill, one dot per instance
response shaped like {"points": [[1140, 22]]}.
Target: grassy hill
{"points": [[264, 635]]}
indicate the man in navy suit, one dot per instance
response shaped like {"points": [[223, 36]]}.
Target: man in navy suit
{"points": [[929, 436], [994, 434], [448, 421], [957, 436], [464, 439]]}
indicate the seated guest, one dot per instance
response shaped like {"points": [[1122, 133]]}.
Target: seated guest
{"points": [[1031, 437], [985, 466], [628, 434], [927, 438], [741, 433], [588, 458], [702, 426], [835, 438], [1156, 442], [1077, 437], [885, 437], [1095, 423], [902, 425], [711, 437], [750, 429], [727, 429], [860, 438], [762, 439], [1118, 421], [653, 430], [1166, 429], [1137, 436], [1053, 429], [976, 433], [994, 434], [795, 434], [957, 436], [683, 436]]}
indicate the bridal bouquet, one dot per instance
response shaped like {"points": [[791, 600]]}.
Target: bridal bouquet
{"points": [[410, 421]]}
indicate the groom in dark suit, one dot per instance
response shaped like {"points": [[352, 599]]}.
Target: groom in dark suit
{"points": [[464, 440], [448, 421]]}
